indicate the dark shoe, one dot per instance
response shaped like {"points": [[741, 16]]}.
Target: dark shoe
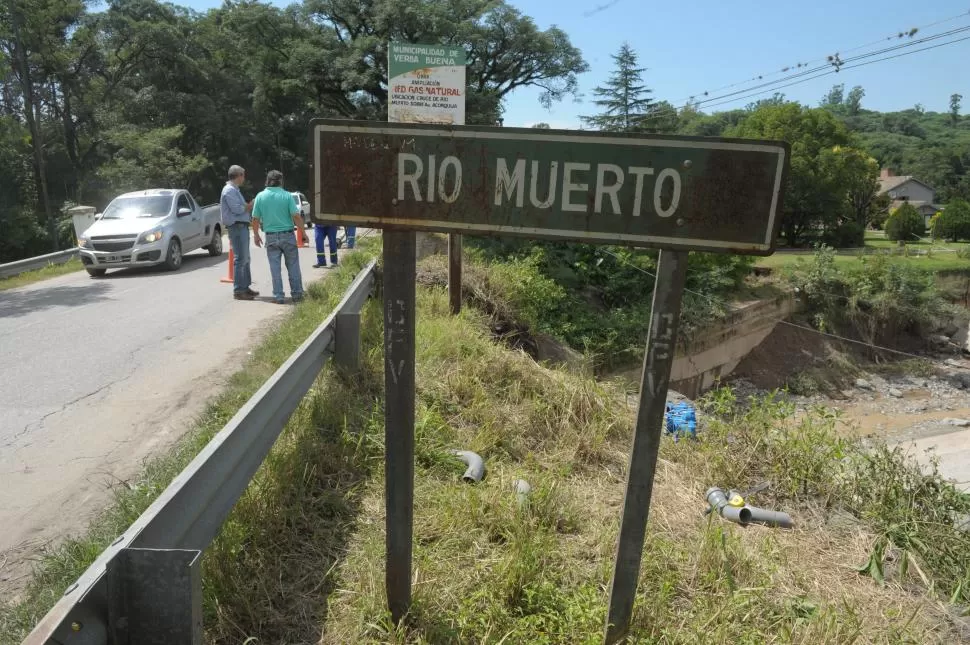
{"points": [[252, 292], [279, 301], [243, 295], [319, 265], [298, 299]]}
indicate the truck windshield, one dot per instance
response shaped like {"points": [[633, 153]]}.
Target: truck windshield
{"points": [[143, 206]]}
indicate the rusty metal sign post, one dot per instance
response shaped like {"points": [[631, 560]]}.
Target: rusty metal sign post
{"points": [[677, 194]]}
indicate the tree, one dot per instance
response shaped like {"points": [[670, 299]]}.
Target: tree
{"points": [[859, 174], [778, 98], [905, 224], [540, 126], [953, 223], [816, 191], [624, 98], [835, 96], [853, 102], [955, 108], [504, 49], [149, 158], [32, 35]]}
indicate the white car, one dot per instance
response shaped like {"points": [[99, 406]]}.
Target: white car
{"points": [[149, 227], [304, 205]]}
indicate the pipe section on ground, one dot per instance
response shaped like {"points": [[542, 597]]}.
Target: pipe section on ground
{"points": [[476, 465], [522, 491], [747, 514]]}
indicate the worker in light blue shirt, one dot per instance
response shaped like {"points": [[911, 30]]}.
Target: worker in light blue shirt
{"points": [[235, 220]]}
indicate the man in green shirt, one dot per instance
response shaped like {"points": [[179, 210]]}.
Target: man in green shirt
{"points": [[279, 217]]}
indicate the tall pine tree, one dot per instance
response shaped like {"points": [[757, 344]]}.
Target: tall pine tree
{"points": [[624, 98]]}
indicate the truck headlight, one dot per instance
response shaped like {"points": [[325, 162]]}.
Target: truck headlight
{"points": [[83, 242], [150, 236]]}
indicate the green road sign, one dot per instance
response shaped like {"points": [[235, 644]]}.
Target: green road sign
{"points": [[667, 192]]}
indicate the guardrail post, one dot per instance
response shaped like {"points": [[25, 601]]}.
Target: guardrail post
{"points": [[347, 340], [454, 272], [155, 597]]}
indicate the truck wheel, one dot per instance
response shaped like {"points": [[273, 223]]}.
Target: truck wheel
{"points": [[97, 273], [215, 246], [173, 259]]}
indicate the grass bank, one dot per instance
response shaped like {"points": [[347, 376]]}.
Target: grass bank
{"points": [[301, 559], [62, 565], [488, 571], [29, 277]]}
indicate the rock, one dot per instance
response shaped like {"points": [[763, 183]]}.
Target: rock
{"points": [[939, 340], [960, 423], [893, 392], [960, 379], [863, 384]]}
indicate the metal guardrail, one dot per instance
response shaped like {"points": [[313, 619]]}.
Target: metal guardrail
{"points": [[145, 588], [11, 269]]}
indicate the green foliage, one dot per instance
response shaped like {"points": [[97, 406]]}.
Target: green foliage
{"points": [[955, 108], [149, 158], [905, 224], [624, 98], [112, 82], [878, 300], [932, 147], [597, 299], [834, 97], [952, 223], [853, 102], [819, 177]]}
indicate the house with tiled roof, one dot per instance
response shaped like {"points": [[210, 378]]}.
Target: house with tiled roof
{"points": [[902, 189]]}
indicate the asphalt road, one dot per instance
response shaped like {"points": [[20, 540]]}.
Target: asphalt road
{"points": [[99, 374]]}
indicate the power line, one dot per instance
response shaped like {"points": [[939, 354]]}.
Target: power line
{"points": [[838, 63], [663, 113], [819, 71], [799, 65], [835, 71]]}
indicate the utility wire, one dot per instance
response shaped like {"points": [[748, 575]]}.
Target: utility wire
{"points": [[812, 74], [799, 65], [839, 63], [835, 71]]}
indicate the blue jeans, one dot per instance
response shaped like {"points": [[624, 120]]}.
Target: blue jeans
{"points": [[239, 243], [351, 233], [283, 245], [328, 233]]}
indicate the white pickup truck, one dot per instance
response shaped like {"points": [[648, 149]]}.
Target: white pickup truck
{"points": [[149, 227]]}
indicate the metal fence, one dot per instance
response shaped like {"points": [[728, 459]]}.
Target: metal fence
{"points": [[10, 269], [145, 588]]}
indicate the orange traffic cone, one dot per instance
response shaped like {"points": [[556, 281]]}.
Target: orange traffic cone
{"points": [[232, 264]]}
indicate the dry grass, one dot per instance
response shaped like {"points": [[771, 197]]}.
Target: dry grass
{"points": [[302, 558]]}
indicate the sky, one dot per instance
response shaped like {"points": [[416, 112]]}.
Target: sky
{"points": [[702, 45]]}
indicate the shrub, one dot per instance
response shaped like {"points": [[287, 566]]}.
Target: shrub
{"points": [[847, 235], [878, 300], [905, 224], [953, 223]]}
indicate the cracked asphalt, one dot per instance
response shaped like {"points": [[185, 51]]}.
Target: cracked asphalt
{"points": [[99, 374]]}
